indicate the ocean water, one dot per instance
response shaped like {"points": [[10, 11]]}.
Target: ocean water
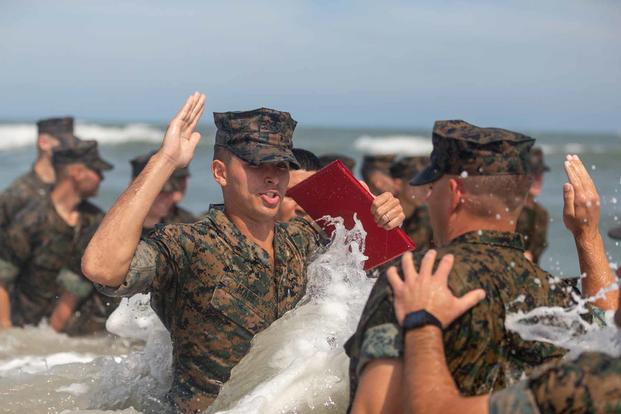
{"points": [[297, 365]]}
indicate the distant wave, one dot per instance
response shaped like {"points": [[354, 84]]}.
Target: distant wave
{"points": [[20, 135], [394, 144]]}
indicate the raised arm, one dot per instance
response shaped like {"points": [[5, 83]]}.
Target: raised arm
{"points": [[581, 215], [110, 251]]}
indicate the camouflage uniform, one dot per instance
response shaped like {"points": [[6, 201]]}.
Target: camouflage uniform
{"points": [[534, 219], [533, 225], [34, 249], [591, 384], [29, 186], [179, 215], [212, 287], [38, 246], [481, 354]]}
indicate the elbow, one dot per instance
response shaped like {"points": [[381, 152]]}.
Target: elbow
{"points": [[91, 270]]}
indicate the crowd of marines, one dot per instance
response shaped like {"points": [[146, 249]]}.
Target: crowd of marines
{"points": [[219, 278]]}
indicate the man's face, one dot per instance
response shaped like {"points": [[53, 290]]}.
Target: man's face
{"points": [[439, 203], [414, 195], [87, 181], [47, 143], [535, 187], [380, 183], [255, 191], [289, 209]]}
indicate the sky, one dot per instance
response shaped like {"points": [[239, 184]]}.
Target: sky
{"points": [[531, 64]]}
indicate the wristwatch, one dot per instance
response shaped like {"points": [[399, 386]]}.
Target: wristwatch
{"points": [[419, 319]]}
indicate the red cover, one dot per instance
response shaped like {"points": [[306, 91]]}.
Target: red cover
{"points": [[334, 191]]}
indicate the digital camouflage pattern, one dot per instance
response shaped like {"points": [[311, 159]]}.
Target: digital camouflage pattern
{"points": [[259, 136], [460, 148], [481, 354], [34, 249], [83, 152], [27, 188], [407, 167], [418, 228], [59, 128], [214, 290], [591, 384], [179, 215], [533, 226]]}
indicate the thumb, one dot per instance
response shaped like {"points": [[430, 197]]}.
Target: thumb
{"points": [[568, 198]]}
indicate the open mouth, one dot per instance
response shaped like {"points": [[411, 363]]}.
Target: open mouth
{"points": [[271, 198]]}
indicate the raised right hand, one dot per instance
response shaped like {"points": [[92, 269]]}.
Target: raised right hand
{"points": [[181, 139], [582, 204]]}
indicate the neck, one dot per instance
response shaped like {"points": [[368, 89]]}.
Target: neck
{"points": [[407, 206], [151, 220], [260, 232], [44, 170], [66, 201], [467, 223]]}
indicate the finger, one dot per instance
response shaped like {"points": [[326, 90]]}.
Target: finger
{"points": [[395, 222], [185, 108], [380, 200], [197, 116], [568, 198], [426, 266], [444, 268], [572, 174], [586, 179], [409, 270], [469, 300], [394, 279], [389, 206], [198, 108]]}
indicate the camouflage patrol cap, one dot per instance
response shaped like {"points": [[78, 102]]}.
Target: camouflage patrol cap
{"points": [[59, 128], [460, 148], [83, 152], [174, 183], [537, 164], [349, 162], [407, 167], [377, 162], [257, 137]]}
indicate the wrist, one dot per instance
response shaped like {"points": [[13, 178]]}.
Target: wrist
{"points": [[164, 161], [419, 319], [588, 238]]}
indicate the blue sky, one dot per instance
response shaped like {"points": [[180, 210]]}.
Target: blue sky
{"points": [[523, 64]]}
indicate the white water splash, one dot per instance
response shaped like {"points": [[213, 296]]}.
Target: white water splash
{"points": [[298, 364], [394, 144]]}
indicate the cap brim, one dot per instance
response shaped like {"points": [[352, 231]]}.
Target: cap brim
{"points": [[100, 165], [255, 156], [615, 233], [430, 174]]}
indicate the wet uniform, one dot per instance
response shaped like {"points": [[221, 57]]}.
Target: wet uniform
{"points": [[591, 384], [533, 225], [214, 290], [34, 248]]}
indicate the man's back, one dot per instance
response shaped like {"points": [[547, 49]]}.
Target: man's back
{"points": [[481, 354]]}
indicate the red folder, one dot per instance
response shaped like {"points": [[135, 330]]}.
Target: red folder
{"points": [[334, 191]]}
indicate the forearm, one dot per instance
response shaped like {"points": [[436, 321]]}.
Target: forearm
{"points": [[110, 251], [5, 307], [63, 311], [427, 377], [596, 270]]}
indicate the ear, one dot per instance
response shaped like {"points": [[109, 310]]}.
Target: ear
{"points": [[218, 169], [456, 193]]}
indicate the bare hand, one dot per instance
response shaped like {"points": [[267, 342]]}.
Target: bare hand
{"points": [[181, 139], [418, 291], [387, 211], [582, 205]]}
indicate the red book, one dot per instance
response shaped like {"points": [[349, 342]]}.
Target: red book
{"points": [[334, 191]]}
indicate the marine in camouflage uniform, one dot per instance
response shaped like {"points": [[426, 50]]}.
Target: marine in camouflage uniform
{"points": [[481, 354], [534, 219], [30, 186], [38, 245], [417, 224], [591, 384], [211, 286]]}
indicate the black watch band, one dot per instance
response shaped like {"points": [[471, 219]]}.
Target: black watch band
{"points": [[418, 319]]}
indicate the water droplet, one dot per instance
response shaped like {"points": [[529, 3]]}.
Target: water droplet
{"points": [[464, 174]]}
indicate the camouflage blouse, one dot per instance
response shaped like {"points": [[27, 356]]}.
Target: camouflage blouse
{"points": [[481, 354], [214, 290], [533, 226], [20, 193]]}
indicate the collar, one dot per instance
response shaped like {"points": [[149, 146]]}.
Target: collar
{"points": [[492, 237]]}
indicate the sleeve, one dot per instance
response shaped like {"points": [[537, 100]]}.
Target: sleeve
{"points": [[16, 244], [74, 283], [158, 261]]}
